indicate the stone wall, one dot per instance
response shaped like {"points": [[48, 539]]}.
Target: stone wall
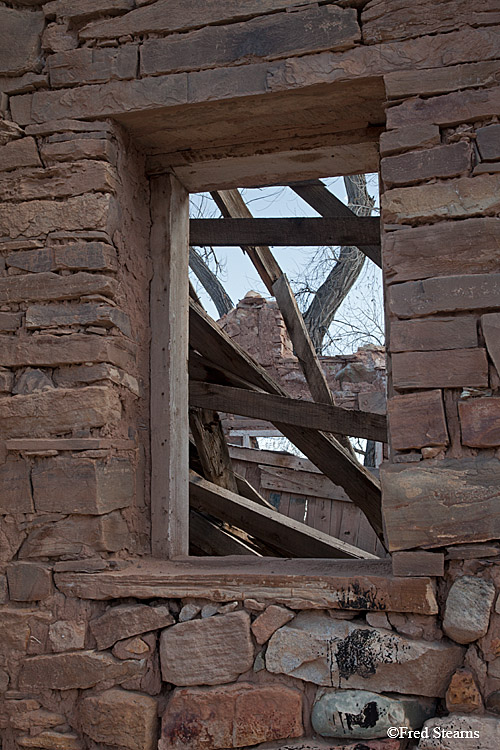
{"points": [[87, 661]]}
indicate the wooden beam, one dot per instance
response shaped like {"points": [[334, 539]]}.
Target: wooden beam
{"points": [[295, 232], [323, 450], [268, 525], [317, 195], [211, 539], [169, 297], [310, 484], [210, 441], [288, 410]]}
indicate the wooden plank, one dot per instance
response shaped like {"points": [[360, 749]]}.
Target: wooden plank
{"points": [[358, 585], [272, 458], [323, 450], [317, 416], [317, 195], [289, 232], [245, 489], [302, 483], [349, 524], [214, 540], [210, 441], [418, 563], [267, 525], [169, 374]]}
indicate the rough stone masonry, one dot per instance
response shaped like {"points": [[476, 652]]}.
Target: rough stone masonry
{"points": [[94, 96]]}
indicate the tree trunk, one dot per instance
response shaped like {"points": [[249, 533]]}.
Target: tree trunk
{"points": [[210, 283]]}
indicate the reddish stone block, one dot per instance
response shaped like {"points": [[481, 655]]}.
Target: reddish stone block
{"points": [[455, 368], [463, 694], [120, 717], [15, 496], [488, 142], [269, 621], [446, 110], [29, 582], [417, 420], [416, 299], [230, 716], [405, 139], [19, 153], [429, 334], [480, 422], [417, 166]]}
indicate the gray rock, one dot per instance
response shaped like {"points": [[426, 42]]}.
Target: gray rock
{"points": [[461, 730], [364, 715], [189, 612], [342, 654], [32, 381], [468, 608]]}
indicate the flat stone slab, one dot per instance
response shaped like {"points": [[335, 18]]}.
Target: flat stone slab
{"points": [[346, 654]]}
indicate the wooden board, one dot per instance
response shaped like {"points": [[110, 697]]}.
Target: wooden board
{"points": [[267, 525], [359, 585], [210, 441], [213, 540], [169, 372], [295, 232], [272, 458], [301, 482], [326, 204], [317, 416]]}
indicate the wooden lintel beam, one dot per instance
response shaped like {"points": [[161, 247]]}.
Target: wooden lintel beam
{"points": [[268, 525], [316, 416], [290, 232], [317, 195]]}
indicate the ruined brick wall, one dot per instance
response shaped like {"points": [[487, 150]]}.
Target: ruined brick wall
{"points": [[226, 669]]}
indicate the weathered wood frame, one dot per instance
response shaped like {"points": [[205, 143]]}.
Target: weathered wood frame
{"points": [[169, 368]]}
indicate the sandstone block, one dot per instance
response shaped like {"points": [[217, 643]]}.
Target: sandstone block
{"points": [[378, 620], [434, 334], [402, 84], [76, 149], [319, 649], [9, 322], [463, 696], [74, 10], [417, 166], [453, 199], [365, 715], [32, 381], [54, 351], [480, 422], [50, 286], [125, 621], [39, 217], [52, 316], [469, 732], [59, 411], [77, 536], [449, 109], [59, 181], [488, 142], [120, 717], [405, 139], [17, 627], [67, 635], [417, 420], [468, 608], [269, 621], [445, 295], [81, 669], [207, 652], [105, 99], [93, 65], [19, 153], [439, 249], [6, 381], [416, 626], [491, 332], [29, 582], [15, 496], [418, 563], [453, 368], [68, 377], [441, 502], [397, 19], [265, 37], [138, 647], [82, 485], [230, 716], [77, 256], [51, 741], [26, 28]]}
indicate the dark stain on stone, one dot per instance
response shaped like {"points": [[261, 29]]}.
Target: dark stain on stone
{"points": [[355, 654], [361, 598], [184, 728], [366, 719]]}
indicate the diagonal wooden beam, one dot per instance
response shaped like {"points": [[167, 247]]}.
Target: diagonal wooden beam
{"points": [[316, 416], [213, 452], [269, 526], [322, 449], [317, 195], [290, 232]]}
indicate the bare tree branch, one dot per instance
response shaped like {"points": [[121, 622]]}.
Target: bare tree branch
{"points": [[210, 283]]}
